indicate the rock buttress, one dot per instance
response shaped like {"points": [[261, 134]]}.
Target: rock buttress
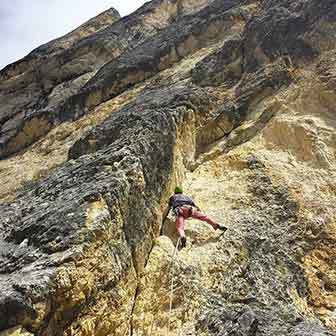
{"points": [[241, 113]]}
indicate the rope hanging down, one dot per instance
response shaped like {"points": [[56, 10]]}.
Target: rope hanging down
{"points": [[172, 286], [171, 273]]}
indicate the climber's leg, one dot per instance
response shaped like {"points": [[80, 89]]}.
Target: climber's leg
{"points": [[180, 229], [204, 218], [180, 225]]}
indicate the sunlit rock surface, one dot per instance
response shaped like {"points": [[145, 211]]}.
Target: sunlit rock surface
{"points": [[232, 99]]}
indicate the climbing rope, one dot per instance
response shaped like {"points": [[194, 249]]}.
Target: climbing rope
{"points": [[172, 286], [193, 280]]}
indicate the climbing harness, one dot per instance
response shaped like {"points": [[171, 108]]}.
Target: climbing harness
{"points": [[177, 210]]}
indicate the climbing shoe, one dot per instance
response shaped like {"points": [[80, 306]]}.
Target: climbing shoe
{"points": [[183, 242], [222, 227]]}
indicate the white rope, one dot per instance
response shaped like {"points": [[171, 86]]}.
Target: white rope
{"points": [[171, 272], [152, 326], [172, 287]]}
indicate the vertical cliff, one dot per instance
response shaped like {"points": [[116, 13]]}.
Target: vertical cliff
{"points": [[234, 100]]}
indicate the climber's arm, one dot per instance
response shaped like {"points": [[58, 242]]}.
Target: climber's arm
{"points": [[166, 212]]}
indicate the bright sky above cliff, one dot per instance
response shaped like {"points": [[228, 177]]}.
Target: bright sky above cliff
{"points": [[26, 24]]}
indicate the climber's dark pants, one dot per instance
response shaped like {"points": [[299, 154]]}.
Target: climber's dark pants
{"points": [[185, 212]]}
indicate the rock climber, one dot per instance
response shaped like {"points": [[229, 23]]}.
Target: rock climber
{"points": [[184, 207]]}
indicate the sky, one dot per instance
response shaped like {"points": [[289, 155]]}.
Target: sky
{"points": [[26, 24]]}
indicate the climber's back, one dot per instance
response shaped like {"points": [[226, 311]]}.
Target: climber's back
{"points": [[179, 199]]}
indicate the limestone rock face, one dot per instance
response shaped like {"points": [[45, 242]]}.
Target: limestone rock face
{"points": [[233, 100], [33, 90]]}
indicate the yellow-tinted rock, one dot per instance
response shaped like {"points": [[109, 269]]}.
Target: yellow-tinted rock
{"points": [[18, 331], [255, 149]]}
